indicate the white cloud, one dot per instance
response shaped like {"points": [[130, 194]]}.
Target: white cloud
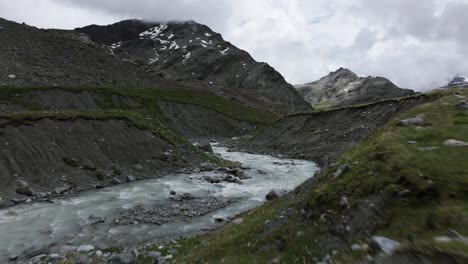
{"points": [[418, 44]]}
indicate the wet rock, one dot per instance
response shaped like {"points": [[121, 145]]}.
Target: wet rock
{"points": [[234, 180], [272, 196], [416, 121], [455, 143], [237, 221], [131, 178], [122, 259], [212, 179], [187, 196], [206, 167], [219, 220], [36, 250], [13, 258], [385, 245], [172, 193], [85, 248], [71, 162], [261, 172], [342, 169]]}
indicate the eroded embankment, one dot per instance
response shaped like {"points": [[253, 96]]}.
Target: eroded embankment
{"points": [[324, 136]]}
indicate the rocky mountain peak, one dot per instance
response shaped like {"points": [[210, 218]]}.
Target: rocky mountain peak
{"points": [[344, 87], [186, 51]]}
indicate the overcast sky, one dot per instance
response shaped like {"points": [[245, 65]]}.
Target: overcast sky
{"points": [[418, 44]]}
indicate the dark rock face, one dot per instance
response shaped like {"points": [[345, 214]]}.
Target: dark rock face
{"points": [[343, 87], [193, 53]]}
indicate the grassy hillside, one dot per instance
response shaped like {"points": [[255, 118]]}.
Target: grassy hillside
{"points": [[148, 98], [416, 185]]}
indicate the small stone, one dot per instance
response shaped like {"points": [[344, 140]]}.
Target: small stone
{"points": [[54, 256], [24, 191], [62, 189], [99, 253], [300, 234], [71, 162], [172, 193], [12, 76], [86, 248], [344, 201], [35, 251], [138, 167], [116, 181], [356, 247], [455, 143], [417, 121], [67, 249], [342, 169], [443, 239], [403, 192], [385, 245], [219, 220], [12, 258], [122, 259], [237, 221]]}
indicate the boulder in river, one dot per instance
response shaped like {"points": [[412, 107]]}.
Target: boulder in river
{"points": [[212, 179]]}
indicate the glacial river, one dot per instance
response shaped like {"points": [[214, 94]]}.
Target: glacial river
{"points": [[71, 220]]}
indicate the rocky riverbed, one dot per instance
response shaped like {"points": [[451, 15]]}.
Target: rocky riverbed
{"points": [[126, 215]]}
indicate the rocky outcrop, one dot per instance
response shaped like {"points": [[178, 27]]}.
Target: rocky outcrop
{"points": [[343, 87], [192, 53]]}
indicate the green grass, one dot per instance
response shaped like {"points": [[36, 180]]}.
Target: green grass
{"points": [[384, 164], [149, 97]]}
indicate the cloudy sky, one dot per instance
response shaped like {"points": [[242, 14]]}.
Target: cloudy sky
{"points": [[418, 44]]}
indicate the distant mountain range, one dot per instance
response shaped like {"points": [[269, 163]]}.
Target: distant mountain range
{"points": [[344, 87]]}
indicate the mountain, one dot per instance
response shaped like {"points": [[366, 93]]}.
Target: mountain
{"points": [[459, 80], [343, 87], [193, 54], [177, 55]]}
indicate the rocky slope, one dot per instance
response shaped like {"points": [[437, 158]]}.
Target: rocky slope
{"points": [[343, 87], [36, 57], [192, 53], [323, 136]]}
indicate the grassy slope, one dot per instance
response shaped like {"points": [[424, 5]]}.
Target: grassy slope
{"points": [[383, 164], [149, 97]]}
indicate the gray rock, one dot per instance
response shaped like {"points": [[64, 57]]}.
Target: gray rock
{"points": [[172, 193], [122, 259], [12, 258], [342, 169], [462, 106], [385, 245], [427, 149], [272, 196], [275, 261], [138, 167], [36, 250], [12, 76], [238, 221], [416, 121], [455, 143], [71, 162], [62, 189], [154, 254], [206, 146], [212, 179], [344, 201], [116, 181], [131, 178], [86, 248]]}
